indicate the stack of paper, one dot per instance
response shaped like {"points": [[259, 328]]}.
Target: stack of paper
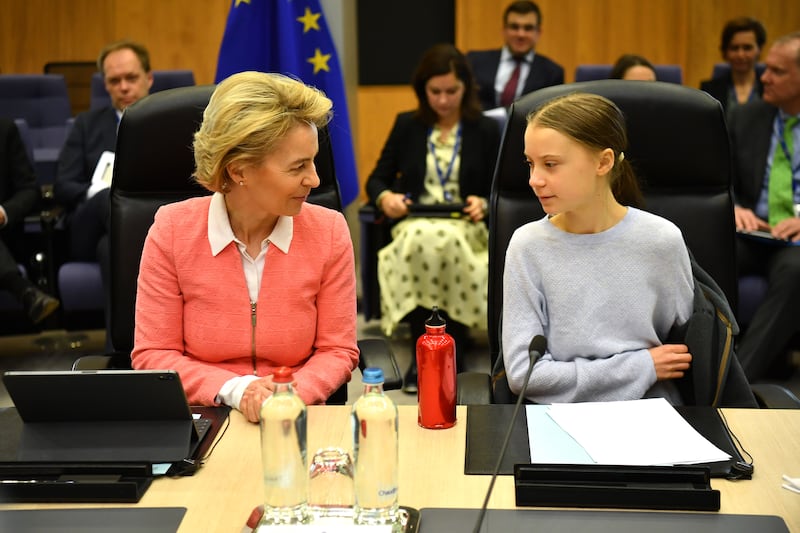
{"points": [[640, 433]]}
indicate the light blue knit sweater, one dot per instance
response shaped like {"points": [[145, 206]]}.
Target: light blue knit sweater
{"points": [[601, 300]]}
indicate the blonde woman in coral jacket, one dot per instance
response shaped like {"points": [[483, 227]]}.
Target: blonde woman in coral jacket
{"points": [[251, 278]]}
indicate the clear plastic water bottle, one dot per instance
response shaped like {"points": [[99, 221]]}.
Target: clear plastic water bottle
{"points": [[283, 453], [375, 453]]}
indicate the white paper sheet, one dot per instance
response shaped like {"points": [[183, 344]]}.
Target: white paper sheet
{"points": [[103, 173], [639, 432]]}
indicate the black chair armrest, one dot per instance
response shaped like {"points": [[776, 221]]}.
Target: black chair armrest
{"points": [[377, 353], [774, 396], [375, 234], [369, 215], [473, 388]]}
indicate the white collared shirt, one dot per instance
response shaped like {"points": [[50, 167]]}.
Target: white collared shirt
{"points": [[506, 67], [220, 235]]}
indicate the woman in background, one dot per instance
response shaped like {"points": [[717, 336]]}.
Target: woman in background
{"points": [[443, 152], [741, 44], [632, 67]]}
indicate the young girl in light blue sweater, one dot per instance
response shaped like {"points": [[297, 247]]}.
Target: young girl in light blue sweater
{"points": [[603, 281]]}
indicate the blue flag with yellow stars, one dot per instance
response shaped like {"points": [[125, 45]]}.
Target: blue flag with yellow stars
{"points": [[292, 37]]}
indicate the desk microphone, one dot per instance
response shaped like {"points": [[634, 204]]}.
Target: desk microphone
{"points": [[536, 348]]}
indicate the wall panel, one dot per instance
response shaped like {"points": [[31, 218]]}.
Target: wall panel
{"points": [[178, 33], [187, 34]]}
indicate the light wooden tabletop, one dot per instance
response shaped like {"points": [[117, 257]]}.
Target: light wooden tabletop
{"points": [[221, 495]]}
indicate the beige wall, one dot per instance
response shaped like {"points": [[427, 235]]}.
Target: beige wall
{"points": [[187, 34]]}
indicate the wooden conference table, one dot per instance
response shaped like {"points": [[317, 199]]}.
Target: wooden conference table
{"points": [[221, 495]]}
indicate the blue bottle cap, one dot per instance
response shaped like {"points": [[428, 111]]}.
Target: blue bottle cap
{"points": [[373, 375]]}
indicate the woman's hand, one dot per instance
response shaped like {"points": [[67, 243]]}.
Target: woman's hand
{"points": [[253, 396], [394, 205], [476, 208], [670, 360]]}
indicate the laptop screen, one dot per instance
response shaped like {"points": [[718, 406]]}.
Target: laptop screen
{"points": [[111, 415]]}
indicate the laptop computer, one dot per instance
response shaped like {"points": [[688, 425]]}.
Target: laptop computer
{"points": [[104, 416], [766, 237], [437, 210]]}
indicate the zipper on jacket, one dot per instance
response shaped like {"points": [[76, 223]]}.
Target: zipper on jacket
{"points": [[253, 336]]}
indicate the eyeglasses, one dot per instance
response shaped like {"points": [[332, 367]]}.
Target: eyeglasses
{"points": [[524, 27]]}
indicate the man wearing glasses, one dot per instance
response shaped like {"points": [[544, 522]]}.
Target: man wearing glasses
{"points": [[506, 74]]}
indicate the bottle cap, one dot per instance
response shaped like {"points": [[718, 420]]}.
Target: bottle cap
{"points": [[282, 375], [435, 321], [372, 375]]}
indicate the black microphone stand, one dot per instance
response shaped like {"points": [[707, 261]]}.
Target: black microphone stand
{"points": [[536, 348]]}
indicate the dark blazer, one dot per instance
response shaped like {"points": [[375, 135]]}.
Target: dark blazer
{"points": [[93, 133], [401, 166], [720, 88], [543, 73], [19, 193], [750, 128], [716, 377]]}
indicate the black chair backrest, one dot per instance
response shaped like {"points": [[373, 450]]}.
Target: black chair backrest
{"points": [[678, 145], [153, 166]]}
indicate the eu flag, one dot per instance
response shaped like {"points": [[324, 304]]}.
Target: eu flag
{"points": [[292, 37]]}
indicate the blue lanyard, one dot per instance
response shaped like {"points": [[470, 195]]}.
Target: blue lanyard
{"points": [[445, 177]]}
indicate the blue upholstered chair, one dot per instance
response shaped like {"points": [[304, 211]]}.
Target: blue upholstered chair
{"points": [[668, 73], [42, 102], [162, 79]]}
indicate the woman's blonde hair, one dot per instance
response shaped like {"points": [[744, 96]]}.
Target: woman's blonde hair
{"points": [[248, 114]]}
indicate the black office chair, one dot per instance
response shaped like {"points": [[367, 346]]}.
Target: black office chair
{"points": [[153, 166], [679, 148]]}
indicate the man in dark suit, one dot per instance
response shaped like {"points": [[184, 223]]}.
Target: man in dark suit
{"points": [[765, 138], [19, 196], [125, 66], [506, 74]]}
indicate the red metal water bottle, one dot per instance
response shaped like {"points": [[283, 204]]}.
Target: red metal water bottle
{"points": [[436, 381]]}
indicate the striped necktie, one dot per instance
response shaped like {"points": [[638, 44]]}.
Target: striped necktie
{"points": [[510, 90]]}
